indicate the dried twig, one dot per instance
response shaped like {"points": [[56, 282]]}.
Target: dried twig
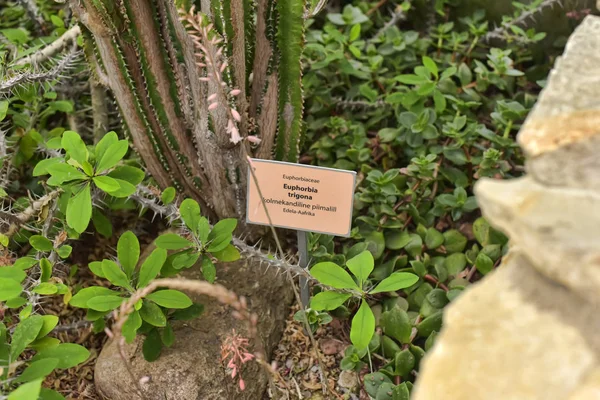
{"points": [[53, 48], [14, 222]]}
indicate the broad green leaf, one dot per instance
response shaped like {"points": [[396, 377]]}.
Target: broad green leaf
{"points": [[167, 335], [361, 266], [62, 172], [68, 355], [49, 323], [208, 269], [105, 303], [433, 239], [411, 79], [74, 146], [363, 326], [130, 327], [171, 241], [38, 369], [107, 140], [115, 274], [170, 298], [84, 295], [396, 324], [186, 314], [3, 109], [168, 195], [128, 173], [45, 288], [190, 213], [125, 189], [112, 156], [79, 210], [9, 288], [101, 223], [128, 252], [151, 267], [397, 240], [228, 254], [431, 66], [185, 259], [221, 234], [333, 275], [96, 268], [484, 264], [26, 332], [152, 346], [25, 263], [328, 300], [15, 302], [49, 394], [396, 281], [106, 183], [27, 391], [152, 314], [14, 273], [64, 251], [41, 168], [46, 268]]}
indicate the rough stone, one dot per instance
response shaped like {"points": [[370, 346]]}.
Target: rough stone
{"points": [[191, 369], [528, 331], [348, 380]]}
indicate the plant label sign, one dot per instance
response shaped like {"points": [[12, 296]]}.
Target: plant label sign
{"points": [[301, 197]]}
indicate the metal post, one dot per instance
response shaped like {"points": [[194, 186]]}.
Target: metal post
{"points": [[303, 252]]}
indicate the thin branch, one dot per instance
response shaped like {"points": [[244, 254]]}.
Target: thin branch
{"points": [[398, 15], [50, 75], [53, 48], [24, 216]]}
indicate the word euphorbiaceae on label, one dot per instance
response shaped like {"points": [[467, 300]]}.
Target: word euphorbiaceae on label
{"points": [[301, 197]]}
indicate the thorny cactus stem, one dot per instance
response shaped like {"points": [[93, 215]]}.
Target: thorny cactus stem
{"points": [[218, 292]]}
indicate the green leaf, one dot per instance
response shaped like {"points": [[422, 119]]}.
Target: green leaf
{"points": [[105, 303], [396, 324], [404, 363], [106, 183], [46, 267], [115, 275], [74, 146], [361, 266], [62, 172], [430, 324], [431, 66], [101, 223], [397, 240], [49, 323], [172, 241], [168, 336], [354, 33], [363, 326], [185, 259], [130, 327], [152, 314], [25, 263], [96, 268], [221, 234], [84, 295], [14, 273], [68, 355], [9, 288], [484, 264], [190, 213], [41, 168], [107, 140], [64, 251], [49, 394], [208, 269], [433, 239], [128, 252], [28, 391], [38, 369], [170, 298], [79, 210], [328, 300], [333, 275], [228, 254], [455, 263], [45, 288], [411, 79], [191, 312], [151, 267], [454, 241], [3, 109], [290, 40], [152, 346], [396, 281], [112, 156], [125, 189], [128, 173], [26, 332], [168, 195]]}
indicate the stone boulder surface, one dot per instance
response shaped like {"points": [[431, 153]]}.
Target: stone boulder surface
{"points": [[529, 330], [191, 369]]}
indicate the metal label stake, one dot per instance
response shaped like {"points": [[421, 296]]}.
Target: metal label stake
{"points": [[303, 253]]}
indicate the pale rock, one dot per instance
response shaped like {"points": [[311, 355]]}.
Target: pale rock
{"points": [[514, 336], [191, 369], [348, 380]]}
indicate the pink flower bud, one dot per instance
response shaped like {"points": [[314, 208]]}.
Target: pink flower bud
{"points": [[235, 92], [253, 139], [212, 97], [213, 106], [236, 115], [242, 384]]}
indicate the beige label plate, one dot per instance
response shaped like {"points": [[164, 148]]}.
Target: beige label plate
{"points": [[301, 197]]}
